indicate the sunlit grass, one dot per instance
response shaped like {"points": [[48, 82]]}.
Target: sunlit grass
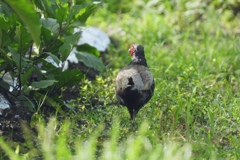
{"points": [[195, 60]]}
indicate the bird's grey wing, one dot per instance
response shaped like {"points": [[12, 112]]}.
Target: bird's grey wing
{"points": [[146, 77]]}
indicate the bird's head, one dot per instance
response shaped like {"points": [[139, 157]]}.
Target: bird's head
{"points": [[137, 53], [136, 49]]}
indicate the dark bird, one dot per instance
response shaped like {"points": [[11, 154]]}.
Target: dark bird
{"points": [[135, 83]]}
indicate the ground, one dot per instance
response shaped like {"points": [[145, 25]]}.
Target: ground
{"points": [[10, 122]]}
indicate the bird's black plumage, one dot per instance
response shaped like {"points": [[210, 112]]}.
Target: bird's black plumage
{"points": [[135, 83]]}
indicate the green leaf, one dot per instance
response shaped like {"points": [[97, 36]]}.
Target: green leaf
{"points": [[54, 48], [26, 75], [7, 62], [4, 39], [5, 10], [55, 58], [26, 13], [78, 11], [43, 83], [24, 39], [31, 71], [68, 78], [62, 12], [7, 18], [89, 49], [50, 24], [84, 13], [90, 61], [46, 36], [47, 7], [74, 10], [68, 45], [15, 56]]}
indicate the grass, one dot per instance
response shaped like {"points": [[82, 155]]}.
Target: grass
{"points": [[193, 51]]}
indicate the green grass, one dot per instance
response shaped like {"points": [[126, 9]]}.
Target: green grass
{"points": [[193, 52]]}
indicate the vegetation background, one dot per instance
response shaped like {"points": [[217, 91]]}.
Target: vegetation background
{"points": [[192, 48]]}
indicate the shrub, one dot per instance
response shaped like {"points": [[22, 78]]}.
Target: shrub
{"points": [[30, 33]]}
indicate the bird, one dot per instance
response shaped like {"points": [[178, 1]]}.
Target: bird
{"points": [[135, 83]]}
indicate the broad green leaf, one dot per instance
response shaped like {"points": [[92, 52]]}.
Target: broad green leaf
{"points": [[62, 12], [50, 68], [4, 23], [76, 24], [55, 58], [54, 47], [46, 36], [68, 78], [5, 10], [4, 39], [84, 13], [7, 18], [74, 10], [7, 62], [32, 71], [77, 11], [26, 13], [19, 61], [89, 49], [7, 22], [24, 39], [50, 24], [26, 75], [68, 45], [15, 56], [43, 83], [46, 7], [90, 61]]}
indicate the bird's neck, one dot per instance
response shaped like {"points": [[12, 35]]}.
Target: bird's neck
{"points": [[138, 60]]}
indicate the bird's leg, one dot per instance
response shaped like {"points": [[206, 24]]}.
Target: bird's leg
{"points": [[135, 111], [130, 112], [134, 125], [118, 103], [133, 116]]}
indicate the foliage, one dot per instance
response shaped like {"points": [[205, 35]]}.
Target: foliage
{"points": [[35, 40]]}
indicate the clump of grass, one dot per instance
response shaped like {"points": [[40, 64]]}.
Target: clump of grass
{"points": [[52, 143]]}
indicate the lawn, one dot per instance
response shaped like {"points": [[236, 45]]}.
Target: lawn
{"points": [[192, 49]]}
